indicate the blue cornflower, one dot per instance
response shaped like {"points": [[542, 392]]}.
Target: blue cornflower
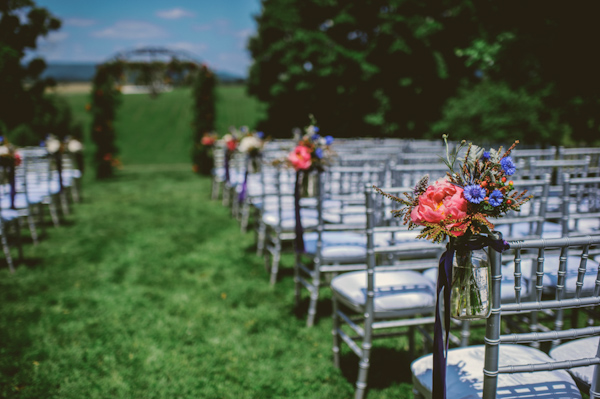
{"points": [[328, 140], [508, 166], [474, 193], [319, 153], [316, 129], [42, 143], [496, 198], [1, 138], [486, 155], [315, 137], [260, 135]]}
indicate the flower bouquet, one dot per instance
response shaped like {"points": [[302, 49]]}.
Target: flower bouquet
{"points": [[251, 145], [9, 160], [75, 148], [203, 154], [458, 208], [312, 154]]}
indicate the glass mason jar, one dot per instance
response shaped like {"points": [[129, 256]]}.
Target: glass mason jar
{"points": [[470, 298]]}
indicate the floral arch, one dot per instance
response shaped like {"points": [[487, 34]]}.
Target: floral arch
{"points": [[148, 69]]}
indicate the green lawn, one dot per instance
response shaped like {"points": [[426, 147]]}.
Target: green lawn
{"points": [[150, 291], [158, 130]]}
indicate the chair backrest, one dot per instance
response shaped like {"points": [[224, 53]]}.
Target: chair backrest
{"points": [[408, 175], [574, 167], [529, 221], [547, 250], [578, 153], [581, 205]]}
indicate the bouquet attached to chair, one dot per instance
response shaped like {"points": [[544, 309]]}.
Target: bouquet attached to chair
{"points": [[312, 154], [9, 160], [251, 145], [458, 208]]}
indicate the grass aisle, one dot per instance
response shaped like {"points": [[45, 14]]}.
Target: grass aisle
{"points": [[151, 291]]}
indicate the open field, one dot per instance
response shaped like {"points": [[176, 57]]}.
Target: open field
{"points": [[159, 130], [150, 291]]}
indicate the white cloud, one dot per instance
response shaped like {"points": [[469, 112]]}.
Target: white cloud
{"points": [[174, 13], [55, 37], [131, 30], [243, 36], [79, 22], [193, 48]]}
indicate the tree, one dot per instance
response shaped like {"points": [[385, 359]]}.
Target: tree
{"points": [[21, 24], [301, 67], [547, 51]]}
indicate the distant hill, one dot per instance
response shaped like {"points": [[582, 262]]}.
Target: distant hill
{"points": [[84, 72]]}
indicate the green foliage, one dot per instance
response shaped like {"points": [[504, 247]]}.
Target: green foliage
{"points": [[499, 114], [148, 304], [157, 130], [204, 117], [21, 24]]}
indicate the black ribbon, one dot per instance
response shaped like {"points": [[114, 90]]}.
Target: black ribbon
{"points": [[227, 177], [10, 170], [242, 195], [297, 194], [444, 283], [58, 161]]}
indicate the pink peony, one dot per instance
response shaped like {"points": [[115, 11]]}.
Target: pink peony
{"points": [[231, 145], [300, 158], [439, 201]]}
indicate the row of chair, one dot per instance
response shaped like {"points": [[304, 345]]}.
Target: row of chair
{"points": [[40, 182], [382, 278]]}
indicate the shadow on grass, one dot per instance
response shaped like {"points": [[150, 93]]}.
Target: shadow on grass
{"points": [[388, 366], [324, 308]]}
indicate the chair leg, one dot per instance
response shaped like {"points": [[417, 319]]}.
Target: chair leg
{"points": [[297, 284], [6, 250], [54, 212], [32, 227], [260, 240], [364, 364], [275, 261], [245, 216], [334, 333], [64, 202], [18, 239], [314, 299]]}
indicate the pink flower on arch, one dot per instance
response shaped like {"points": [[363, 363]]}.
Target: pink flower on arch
{"points": [[300, 158], [439, 201]]}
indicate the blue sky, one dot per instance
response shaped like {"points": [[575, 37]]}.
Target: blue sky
{"points": [[215, 32]]}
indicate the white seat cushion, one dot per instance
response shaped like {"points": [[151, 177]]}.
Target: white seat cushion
{"points": [[402, 293], [288, 218], [464, 376], [577, 349]]}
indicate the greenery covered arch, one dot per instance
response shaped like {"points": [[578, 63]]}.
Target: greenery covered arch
{"points": [[154, 69]]}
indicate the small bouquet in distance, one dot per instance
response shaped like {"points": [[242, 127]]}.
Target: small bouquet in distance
{"points": [[8, 155], [252, 145], [208, 140], [460, 204], [313, 151]]}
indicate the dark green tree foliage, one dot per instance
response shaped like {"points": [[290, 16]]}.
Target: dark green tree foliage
{"points": [[204, 102], [494, 112], [106, 97], [307, 60], [204, 118], [547, 49], [21, 24], [391, 67]]}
